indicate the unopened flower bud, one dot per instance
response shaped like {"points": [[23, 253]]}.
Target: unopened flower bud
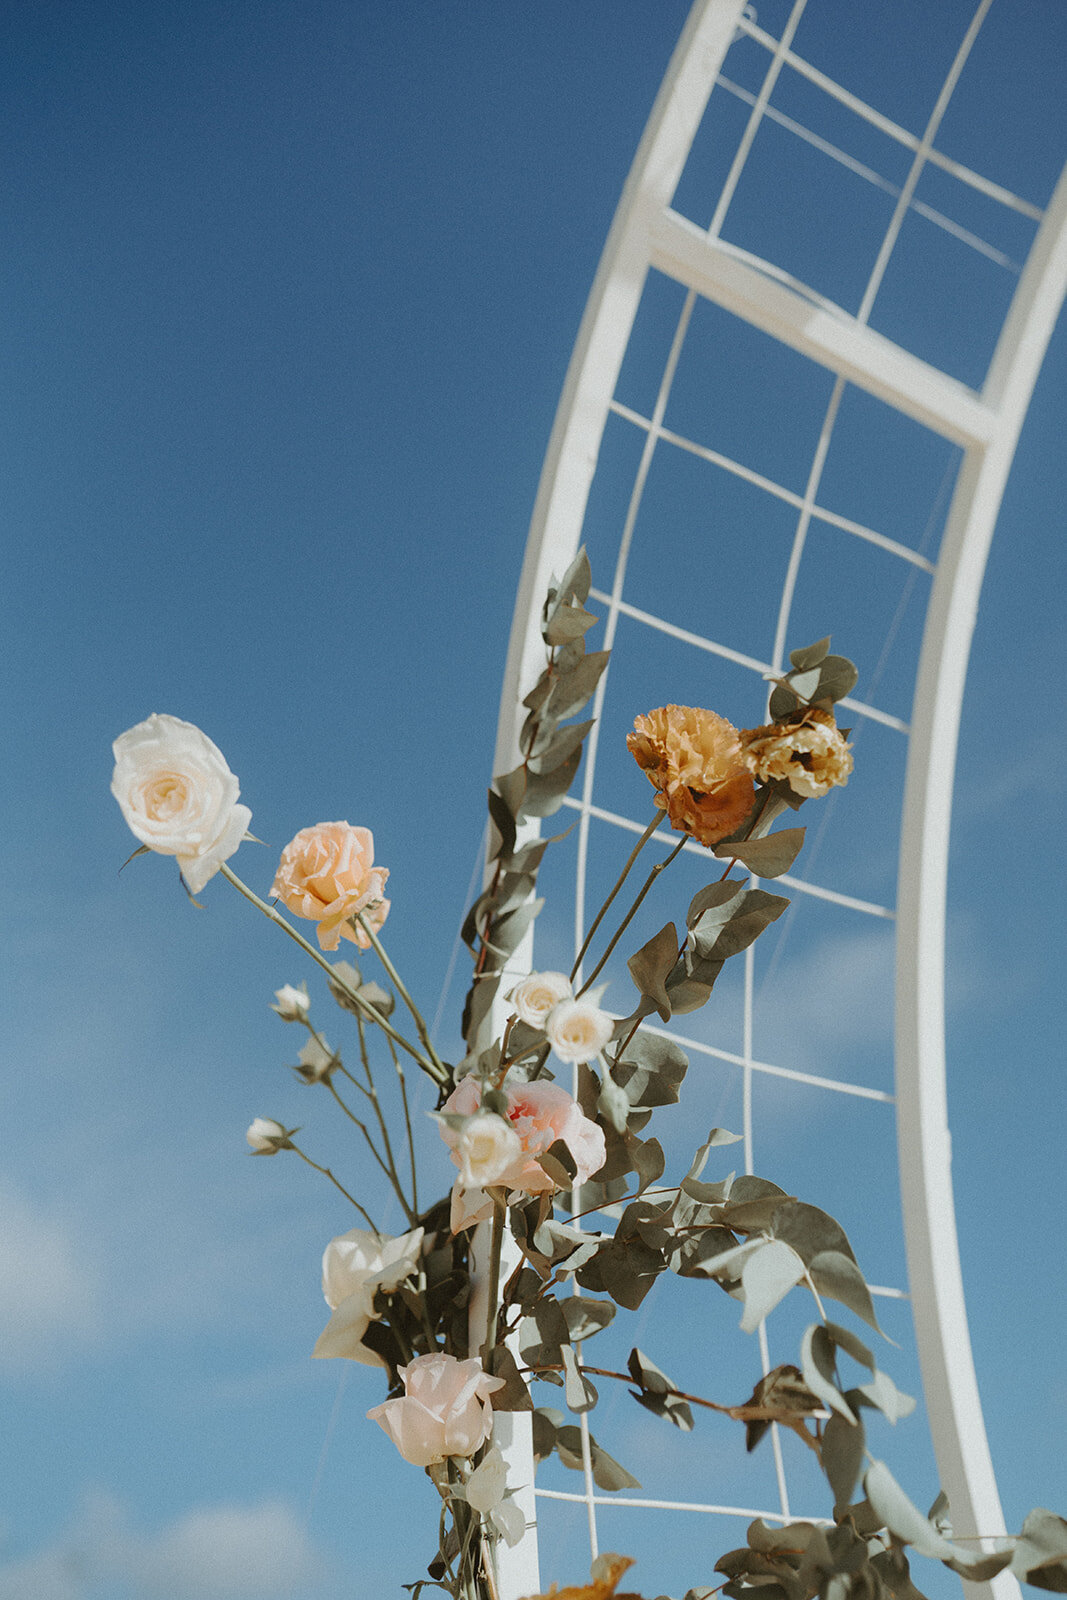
{"points": [[382, 1001], [267, 1137], [292, 1004]]}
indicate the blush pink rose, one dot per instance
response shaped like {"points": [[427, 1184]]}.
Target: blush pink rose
{"points": [[540, 1113], [327, 874], [444, 1410]]}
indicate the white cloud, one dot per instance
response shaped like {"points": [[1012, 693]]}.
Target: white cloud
{"points": [[223, 1552], [50, 1304]]}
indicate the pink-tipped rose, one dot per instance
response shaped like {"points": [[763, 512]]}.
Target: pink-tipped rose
{"points": [[540, 1113], [327, 874], [444, 1410]]}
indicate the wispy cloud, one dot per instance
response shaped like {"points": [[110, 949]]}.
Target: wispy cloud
{"points": [[220, 1552], [51, 1301]]}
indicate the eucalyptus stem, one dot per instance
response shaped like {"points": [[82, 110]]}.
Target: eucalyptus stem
{"points": [[495, 1247], [628, 918], [620, 880], [369, 1011], [420, 1025], [337, 1185], [350, 1114]]}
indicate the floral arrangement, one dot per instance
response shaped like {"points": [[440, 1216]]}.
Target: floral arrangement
{"points": [[494, 1290]]}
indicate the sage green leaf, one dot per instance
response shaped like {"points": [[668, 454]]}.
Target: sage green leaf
{"points": [[504, 822], [817, 1365], [581, 1395], [841, 1455], [979, 1569], [651, 1070], [585, 1317], [847, 1341], [940, 1515], [809, 656], [514, 1396], [784, 1392], [758, 910], [1040, 1554], [837, 1275], [507, 932], [613, 1104], [902, 1517], [546, 1424], [574, 585], [653, 1392], [545, 790], [542, 1333], [837, 678], [892, 1568], [627, 1269], [651, 965], [528, 859], [607, 1472], [715, 902], [804, 684], [648, 1160], [550, 752], [809, 1230], [569, 622], [767, 1276], [716, 1137], [573, 689], [883, 1393], [768, 857]]}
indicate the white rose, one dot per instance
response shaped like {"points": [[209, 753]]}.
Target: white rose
{"points": [[267, 1137], [292, 1004], [178, 795], [354, 1268], [535, 996], [444, 1410], [486, 1147], [578, 1030]]}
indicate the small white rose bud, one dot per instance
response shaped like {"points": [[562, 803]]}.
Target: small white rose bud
{"points": [[292, 1004], [267, 1137], [487, 1147], [535, 996], [578, 1030]]}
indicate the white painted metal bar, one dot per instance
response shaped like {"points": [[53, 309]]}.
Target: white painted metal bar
{"points": [[929, 1215], [816, 329], [956, 169], [793, 1073], [768, 485], [875, 179]]}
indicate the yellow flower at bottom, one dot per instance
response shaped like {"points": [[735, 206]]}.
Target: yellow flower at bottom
{"points": [[607, 1571], [693, 760], [810, 755]]}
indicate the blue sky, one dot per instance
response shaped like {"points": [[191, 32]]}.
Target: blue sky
{"points": [[289, 293]]}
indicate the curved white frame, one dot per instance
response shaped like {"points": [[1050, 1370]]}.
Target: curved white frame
{"points": [[647, 233]]}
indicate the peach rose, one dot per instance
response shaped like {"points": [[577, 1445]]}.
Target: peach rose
{"points": [[811, 755], [444, 1410], [693, 760], [327, 874], [540, 1113]]}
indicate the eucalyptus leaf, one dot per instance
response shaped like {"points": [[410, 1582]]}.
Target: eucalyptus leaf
{"points": [[573, 689], [654, 1391], [809, 1230], [548, 754], [809, 656], [841, 1454], [769, 1272], [837, 1275], [817, 1365], [545, 790], [902, 1517], [585, 1317], [837, 678], [503, 819], [1041, 1551], [569, 622], [514, 1396], [714, 902], [767, 857], [613, 1104], [608, 1474], [651, 965], [883, 1393], [580, 1394]]}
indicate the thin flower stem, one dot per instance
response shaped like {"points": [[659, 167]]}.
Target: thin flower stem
{"points": [[398, 1064], [350, 1114], [369, 1011], [620, 880], [394, 1176], [625, 923], [328, 1174], [420, 1025]]}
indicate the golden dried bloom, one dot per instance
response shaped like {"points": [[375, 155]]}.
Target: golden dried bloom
{"points": [[607, 1572], [693, 759], [810, 755]]}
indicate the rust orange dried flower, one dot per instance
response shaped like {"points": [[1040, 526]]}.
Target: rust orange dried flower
{"points": [[693, 759], [811, 755], [607, 1572]]}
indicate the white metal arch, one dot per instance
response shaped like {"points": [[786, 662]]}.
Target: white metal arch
{"points": [[646, 234]]}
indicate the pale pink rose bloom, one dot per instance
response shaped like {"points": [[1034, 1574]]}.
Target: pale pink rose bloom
{"points": [[577, 1030], [327, 874], [535, 996], [443, 1412], [354, 1267], [178, 796], [540, 1113]]}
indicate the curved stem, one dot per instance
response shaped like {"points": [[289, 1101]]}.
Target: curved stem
{"points": [[624, 924], [620, 880], [328, 1174], [369, 1011], [420, 1025]]}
